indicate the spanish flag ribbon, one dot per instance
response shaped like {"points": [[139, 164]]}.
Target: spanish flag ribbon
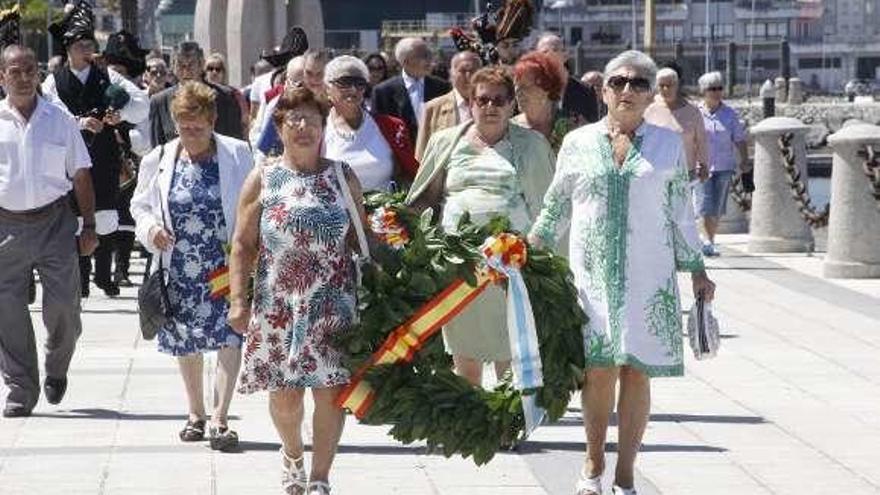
{"points": [[406, 340], [218, 280]]}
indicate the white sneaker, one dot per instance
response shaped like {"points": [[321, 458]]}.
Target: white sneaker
{"points": [[616, 490], [588, 486]]}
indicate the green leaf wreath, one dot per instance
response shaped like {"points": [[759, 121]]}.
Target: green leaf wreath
{"points": [[425, 399]]}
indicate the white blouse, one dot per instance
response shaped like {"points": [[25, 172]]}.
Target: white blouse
{"points": [[366, 151]]}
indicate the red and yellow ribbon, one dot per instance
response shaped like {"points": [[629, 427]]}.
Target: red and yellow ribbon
{"points": [[218, 280], [405, 341]]}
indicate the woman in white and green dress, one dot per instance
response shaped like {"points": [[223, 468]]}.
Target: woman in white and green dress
{"points": [[486, 168], [623, 184]]}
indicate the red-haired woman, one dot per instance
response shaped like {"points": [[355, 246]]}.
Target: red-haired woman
{"points": [[539, 79]]}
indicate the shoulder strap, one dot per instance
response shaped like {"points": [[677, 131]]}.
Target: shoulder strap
{"points": [[352, 210], [159, 192]]}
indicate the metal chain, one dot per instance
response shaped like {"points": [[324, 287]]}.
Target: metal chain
{"points": [[740, 196], [799, 190], [871, 166]]}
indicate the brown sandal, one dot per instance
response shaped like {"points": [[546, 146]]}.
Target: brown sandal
{"points": [[194, 431]]}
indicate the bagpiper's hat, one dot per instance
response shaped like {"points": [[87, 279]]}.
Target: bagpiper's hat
{"points": [[295, 43], [10, 29], [122, 49], [511, 21], [78, 24]]}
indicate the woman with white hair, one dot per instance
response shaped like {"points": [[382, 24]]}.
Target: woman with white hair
{"points": [[376, 147], [727, 139], [672, 111], [623, 184]]}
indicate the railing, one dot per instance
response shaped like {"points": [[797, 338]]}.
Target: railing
{"points": [[438, 24]]}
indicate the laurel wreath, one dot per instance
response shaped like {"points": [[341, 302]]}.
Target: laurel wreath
{"points": [[425, 399]]}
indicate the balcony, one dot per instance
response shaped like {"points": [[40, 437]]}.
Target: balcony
{"points": [[772, 9], [616, 13], [433, 25]]}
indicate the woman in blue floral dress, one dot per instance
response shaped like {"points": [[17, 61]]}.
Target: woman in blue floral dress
{"points": [[295, 229], [184, 210]]}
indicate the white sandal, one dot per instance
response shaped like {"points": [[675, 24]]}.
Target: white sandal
{"points": [[588, 486], [618, 490], [294, 479], [319, 488]]}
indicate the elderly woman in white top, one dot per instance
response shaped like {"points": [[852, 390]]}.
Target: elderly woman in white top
{"points": [[623, 184], [358, 138], [184, 210]]}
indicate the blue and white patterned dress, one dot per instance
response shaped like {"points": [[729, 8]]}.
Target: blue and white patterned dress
{"points": [[194, 205]]}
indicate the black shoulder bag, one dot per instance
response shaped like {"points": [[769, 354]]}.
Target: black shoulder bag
{"points": [[154, 305]]}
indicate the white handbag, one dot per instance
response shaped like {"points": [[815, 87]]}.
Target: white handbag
{"points": [[703, 331]]}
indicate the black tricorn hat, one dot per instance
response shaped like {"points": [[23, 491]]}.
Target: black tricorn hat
{"points": [[122, 49], [78, 24], [10, 31], [295, 43]]}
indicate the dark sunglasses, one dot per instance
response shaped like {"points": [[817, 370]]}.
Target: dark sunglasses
{"points": [[497, 101], [715, 88], [214, 68], [376, 68], [637, 84], [350, 82]]}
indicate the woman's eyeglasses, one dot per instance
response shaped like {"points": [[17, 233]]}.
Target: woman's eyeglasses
{"points": [[715, 88], [637, 84], [496, 101], [215, 68], [350, 83], [294, 119]]}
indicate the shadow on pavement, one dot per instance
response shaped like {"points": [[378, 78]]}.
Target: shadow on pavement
{"points": [[110, 414], [539, 447], [246, 446]]}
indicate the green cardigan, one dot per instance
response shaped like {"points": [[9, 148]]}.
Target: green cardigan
{"points": [[531, 155]]}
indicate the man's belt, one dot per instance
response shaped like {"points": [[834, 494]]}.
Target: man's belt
{"points": [[36, 214]]}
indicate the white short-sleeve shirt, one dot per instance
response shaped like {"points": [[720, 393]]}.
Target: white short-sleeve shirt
{"points": [[366, 151], [38, 157]]}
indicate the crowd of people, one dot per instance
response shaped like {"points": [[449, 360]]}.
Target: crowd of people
{"points": [[617, 169]]}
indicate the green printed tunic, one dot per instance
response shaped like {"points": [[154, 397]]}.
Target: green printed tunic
{"points": [[632, 227]]}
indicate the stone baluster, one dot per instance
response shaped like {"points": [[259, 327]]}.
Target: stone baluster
{"points": [[854, 224], [776, 226]]}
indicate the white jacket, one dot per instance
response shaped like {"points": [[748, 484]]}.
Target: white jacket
{"points": [[154, 182]]}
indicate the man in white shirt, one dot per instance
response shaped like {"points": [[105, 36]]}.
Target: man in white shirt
{"points": [[42, 158], [452, 108]]}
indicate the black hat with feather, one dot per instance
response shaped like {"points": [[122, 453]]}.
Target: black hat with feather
{"points": [[10, 27], [295, 43], [512, 20], [78, 24], [122, 49]]}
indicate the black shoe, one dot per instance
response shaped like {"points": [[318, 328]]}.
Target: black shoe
{"points": [[54, 388], [84, 291], [13, 411], [110, 289]]}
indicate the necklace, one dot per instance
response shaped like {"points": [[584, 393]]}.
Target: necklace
{"points": [[346, 135]]}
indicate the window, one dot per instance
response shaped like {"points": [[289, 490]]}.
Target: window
{"points": [[758, 30], [108, 23], [723, 31], [777, 29], [819, 63], [577, 34], [671, 32], [698, 31]]}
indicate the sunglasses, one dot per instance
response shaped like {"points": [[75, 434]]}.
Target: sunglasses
{"points": [[350, 83], [294, 119], [497, 101], [715, 88], [637, 84], [214, 68], [376, 68]]}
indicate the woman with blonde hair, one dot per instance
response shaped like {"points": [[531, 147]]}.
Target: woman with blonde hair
{"points": [[184, 209]]}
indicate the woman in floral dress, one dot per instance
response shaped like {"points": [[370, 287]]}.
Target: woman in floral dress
{"points": [[623, 184], [184, 209], [295, 229]]}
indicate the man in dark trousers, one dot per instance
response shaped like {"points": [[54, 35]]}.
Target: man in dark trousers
{"points": [[42, 159], [101, 100], [404, 96], [189, 64], [578, 101]]}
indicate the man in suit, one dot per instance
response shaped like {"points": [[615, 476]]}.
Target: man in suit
{"points": [[578, 101], [404, 96], [452, 108], [189, 64]]}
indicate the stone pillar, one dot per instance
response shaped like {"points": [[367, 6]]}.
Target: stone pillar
{"points": [[776, 225], [249, 29], [768, 98], [854, 225], [210, 25], [795, 91], [781, 90]]}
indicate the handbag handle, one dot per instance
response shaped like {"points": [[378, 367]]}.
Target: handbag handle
{"points": [[352, 211]]}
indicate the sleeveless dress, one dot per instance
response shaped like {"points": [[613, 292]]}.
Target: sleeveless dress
{"points": [[304, 289], [194, 204]]}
